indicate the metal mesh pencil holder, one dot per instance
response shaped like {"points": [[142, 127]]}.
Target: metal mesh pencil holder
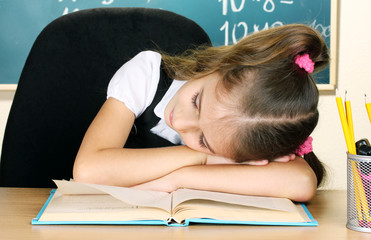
{"points": [[359, 192]]}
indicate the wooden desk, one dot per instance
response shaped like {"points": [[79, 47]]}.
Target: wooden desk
{"points": [[19, 205]]}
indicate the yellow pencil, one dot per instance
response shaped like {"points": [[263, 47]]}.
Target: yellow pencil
{"points": [[349, 118], [360, 197], [368, 107], [344, 124], [357, 182]]}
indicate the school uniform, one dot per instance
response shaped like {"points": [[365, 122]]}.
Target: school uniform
{"points": [[144, 87]]}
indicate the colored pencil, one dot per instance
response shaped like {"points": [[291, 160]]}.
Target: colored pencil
{"points": [[359, 192], [368, 108]]}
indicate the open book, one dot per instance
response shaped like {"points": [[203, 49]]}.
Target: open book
{"points": [[82, 203]]}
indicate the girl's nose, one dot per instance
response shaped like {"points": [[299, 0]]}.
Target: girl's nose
{"points": [[185, 123]]}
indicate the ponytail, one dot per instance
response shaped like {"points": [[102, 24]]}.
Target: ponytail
{"points": [[317, 167]]}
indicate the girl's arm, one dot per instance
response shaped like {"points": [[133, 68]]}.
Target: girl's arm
{"points": [[294, 180], [102, 159]]}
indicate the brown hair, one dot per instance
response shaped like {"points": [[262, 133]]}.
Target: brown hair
{"points": [[276, 99]]}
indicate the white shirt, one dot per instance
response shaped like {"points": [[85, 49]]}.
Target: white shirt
{"points": [[135, 84]]}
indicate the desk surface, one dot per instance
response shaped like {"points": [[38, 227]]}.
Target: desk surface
{"points": [[19, 205]]}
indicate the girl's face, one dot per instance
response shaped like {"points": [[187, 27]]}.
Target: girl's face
{"points": [[195, 113]]}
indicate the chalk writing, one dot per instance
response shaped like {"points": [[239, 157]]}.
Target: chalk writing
{"points": [[325, 31], [107, 2], [225, 21], [234, 9], [244, 26], [242, 9], [67, 10], [268, 5], [104, 3]]}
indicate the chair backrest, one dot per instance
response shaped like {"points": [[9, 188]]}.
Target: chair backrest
{"points": [[64, 80]]}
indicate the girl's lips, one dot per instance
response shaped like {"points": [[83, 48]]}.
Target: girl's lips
{"points": [[171, 117]]}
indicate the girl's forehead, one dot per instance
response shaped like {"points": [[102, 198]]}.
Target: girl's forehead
{"points": [[223, 103], [220, 134], [218, 125], [226, 101]]}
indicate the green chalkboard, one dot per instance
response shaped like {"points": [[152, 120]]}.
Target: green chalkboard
{"points": [[225, 21]]}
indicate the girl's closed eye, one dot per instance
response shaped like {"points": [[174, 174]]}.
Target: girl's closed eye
{"points": [[195, 104], [202, 142], [194, 99]]}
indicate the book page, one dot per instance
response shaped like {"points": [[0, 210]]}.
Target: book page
{"points": [[231, 212], [97, 208], [282, 204], [130, 196]]}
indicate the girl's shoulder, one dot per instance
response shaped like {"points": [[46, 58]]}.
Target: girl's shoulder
{"points": [[135, 83], [144, 63], [147, 56]]}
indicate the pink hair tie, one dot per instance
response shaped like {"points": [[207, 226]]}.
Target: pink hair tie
{"points": [[305, 148], [304, 61]]}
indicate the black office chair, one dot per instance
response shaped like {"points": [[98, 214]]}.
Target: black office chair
{"points": [[64, 81]]}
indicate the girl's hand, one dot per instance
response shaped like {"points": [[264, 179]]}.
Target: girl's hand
{"points": [[286, 158], [283, 159]]}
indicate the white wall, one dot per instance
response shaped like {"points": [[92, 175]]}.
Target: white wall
{"points": [[6, 98], [354, 75]]}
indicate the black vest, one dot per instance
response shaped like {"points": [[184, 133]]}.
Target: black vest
{"points": [[140, 135]]}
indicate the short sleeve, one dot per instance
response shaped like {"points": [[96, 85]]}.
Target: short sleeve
{"points": [[135, 83]]}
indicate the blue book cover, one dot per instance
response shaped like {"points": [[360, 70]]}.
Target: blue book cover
{"points": [[79, 203]]}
